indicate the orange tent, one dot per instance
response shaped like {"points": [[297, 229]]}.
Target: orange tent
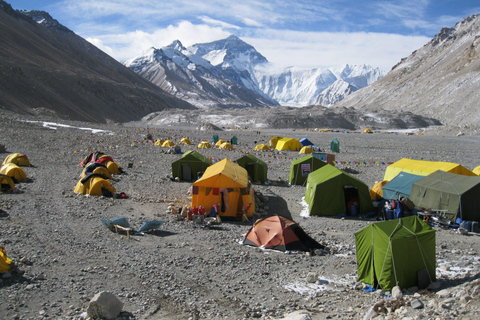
{"points": [[279, 233]]}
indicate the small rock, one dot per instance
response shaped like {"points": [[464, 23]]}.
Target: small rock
{"points": [[104, 305], [371, 313], [445, 293], [6, 275], [312, 277], [465, 299], [417, 304], [445, 268], [434, 285], [397, 292]]}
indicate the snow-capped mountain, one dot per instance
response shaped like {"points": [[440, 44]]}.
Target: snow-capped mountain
{"points": [[230, 72], [439, 80]]}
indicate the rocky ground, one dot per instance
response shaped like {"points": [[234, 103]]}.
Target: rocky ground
{"points": [[64, 255]]}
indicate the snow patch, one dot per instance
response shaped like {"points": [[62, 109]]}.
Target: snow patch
{"points": [[54, 126]]}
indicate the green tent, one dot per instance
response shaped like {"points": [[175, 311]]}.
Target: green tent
{"points": [[256, 168], [329, 190], [456, 193], [300, 169], [396, 252], [190, 165]]}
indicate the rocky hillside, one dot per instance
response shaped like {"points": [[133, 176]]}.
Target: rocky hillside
{"points": [[46, 69], [439, 80]]}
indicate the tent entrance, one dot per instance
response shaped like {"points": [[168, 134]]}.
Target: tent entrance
{"points": [[250, 167], [351, 197], [186, 172]]}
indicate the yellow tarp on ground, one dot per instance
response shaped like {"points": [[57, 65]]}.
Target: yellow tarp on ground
{"points": [[18, 159], [231, 180], [13, 171], [94, 186], [423, 168], [4, 261], [6, 183], [376, 193], [306, 150], [288, 144], [204, 145], [261, 147]]}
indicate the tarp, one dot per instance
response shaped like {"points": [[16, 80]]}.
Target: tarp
{"points": [[400, 186], [279, 233], [300, 168], [395, 252], [256, 168], [288, 144], [376, 193], [4, 261], [95, 186], [13, 171], [195, 162], [306, 142], [329, 190], [457, 194], [225, 183], [18, 159], [6, 183], [423, 168]]}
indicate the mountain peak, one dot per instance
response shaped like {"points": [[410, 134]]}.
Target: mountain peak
{"points": [[44, 18], [176, 45]]}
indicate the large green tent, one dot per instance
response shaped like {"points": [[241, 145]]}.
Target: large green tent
{"points": [[256, 168], [300, 169], [190, 165], [456, 193], [396, 252], [329, 190]]}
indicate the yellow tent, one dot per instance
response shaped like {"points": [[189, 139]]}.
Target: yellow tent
{"points": [[376, 193], [4, 261], [306, 150], [18, 159], [185, 141], [224, 183], [13, 171], [367, 131], [95, 186], [204, 145], [262, 147], [100, 170], [288, 144], [168, 144], [6, 183], [476, 170], [423, 168], [273, 141], [226, 145], [159, 142], [219, 143]]}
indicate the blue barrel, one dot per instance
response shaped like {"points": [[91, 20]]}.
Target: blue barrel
{"points": [[388, 214], [467, 225]]}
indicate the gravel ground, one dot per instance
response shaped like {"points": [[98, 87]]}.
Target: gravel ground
{"points": [[65, 255]]}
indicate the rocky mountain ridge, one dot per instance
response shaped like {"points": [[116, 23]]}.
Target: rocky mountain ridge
{"points": [[439, 80]]}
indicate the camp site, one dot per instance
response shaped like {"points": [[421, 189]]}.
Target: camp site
{"points": [[180, 223]]}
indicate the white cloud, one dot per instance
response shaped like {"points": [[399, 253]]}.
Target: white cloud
{"points": [[219, 23], [252, 23]]}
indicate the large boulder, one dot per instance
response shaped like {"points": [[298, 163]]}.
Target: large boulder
{"points": [[104, 305]]}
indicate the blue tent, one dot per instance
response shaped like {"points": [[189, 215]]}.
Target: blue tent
{"points": [[306, 142], [400, 186]]}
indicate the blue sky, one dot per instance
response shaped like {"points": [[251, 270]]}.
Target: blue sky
{"points": [[303, 33]]}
